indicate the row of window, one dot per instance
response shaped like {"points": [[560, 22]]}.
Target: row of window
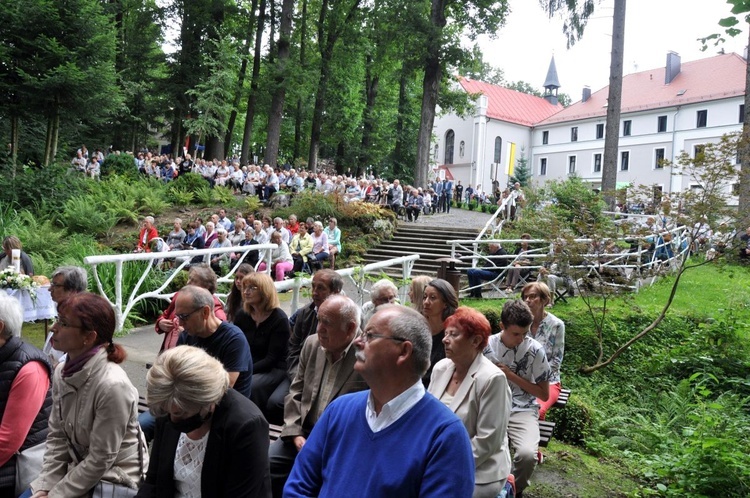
{"points": [[701, 121], [450, 138], [659, 155]]}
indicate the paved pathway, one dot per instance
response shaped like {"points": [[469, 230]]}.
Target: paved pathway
{"points": [[458, 218], [143, 343]]}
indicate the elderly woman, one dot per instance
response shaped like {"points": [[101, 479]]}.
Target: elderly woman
{"points": [[94, 440], [210, 440], [382, 292], [478, 393], [176, 237], [416, 291], [200, 276], [6, 260], [25, 398], [234, 298], [333, 232], [549, 331], [266, 328], [147, 233], [281, 258], [300, 247], [210, 235], [320, 244], [439, 302]]}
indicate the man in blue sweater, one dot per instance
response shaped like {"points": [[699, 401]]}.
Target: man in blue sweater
{"points": [[395, 439]]}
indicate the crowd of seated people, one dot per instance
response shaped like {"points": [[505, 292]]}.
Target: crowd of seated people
{"points": [[208, 418]]}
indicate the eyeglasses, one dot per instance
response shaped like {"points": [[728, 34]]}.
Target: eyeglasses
{"points": [[62, 323], [184, 316], [250, 288], [54, 285], [369, 336]]}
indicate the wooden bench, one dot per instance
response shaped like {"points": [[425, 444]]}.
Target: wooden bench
{"points": [[562, 400], [547, 428]]}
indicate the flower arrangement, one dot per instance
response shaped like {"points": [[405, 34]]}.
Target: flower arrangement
{"points": [[9, 279]]}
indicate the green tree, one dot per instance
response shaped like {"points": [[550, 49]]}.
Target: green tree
{"points": [[740, 16], [521, 173], [65, 65], [213, 96], [471, 18]]}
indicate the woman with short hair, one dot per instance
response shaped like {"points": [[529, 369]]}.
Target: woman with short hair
{"points": [[210, 440], [266, 327], [549, 331], [478, 393], [320, 243], [333, 232]]}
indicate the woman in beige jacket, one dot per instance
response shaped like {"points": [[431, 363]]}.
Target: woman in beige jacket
{"points": [[93, 429]]}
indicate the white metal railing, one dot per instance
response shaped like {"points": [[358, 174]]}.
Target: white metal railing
{"points": [[357, 276], [181, 258], [633, 265], [124, 305]]}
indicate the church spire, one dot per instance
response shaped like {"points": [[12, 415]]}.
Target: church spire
{"points": [[551, 83]]}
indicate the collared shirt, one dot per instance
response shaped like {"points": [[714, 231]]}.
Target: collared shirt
{"points": [[327, 380], [394, 409]]}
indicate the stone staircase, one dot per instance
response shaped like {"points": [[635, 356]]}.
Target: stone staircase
{"points": [[427, 241]]}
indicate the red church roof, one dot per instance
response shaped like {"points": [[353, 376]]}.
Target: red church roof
{"points": [[719, 77], [509, 105]]}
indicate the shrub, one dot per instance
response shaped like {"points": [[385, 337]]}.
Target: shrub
{"points": [[204, 195], [573, 422], [120, 164], [84, 215], [313, 204], [34, 188], [180, 196], [189, 182], [153, 203]]}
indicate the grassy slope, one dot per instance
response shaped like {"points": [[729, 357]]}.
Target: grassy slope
{"points": [[706, 292]]}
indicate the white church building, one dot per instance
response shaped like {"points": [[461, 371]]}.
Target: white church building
{"points": [[664, 111]]}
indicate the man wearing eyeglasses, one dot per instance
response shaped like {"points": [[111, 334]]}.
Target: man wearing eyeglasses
{"points": [[395, 439], [325, 372], [194, 311]]}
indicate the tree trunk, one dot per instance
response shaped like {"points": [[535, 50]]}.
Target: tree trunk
{"points": [[743, 214], [55, 132], [240, 80], [326, 42], [430, 89], [302, 65], [614, 101], [277, 103], [14, 134], [47, 142], [247, 136], [371, 93], [272, 37], [403, 100]]}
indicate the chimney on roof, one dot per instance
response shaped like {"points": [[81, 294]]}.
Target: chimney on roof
{"points": [[586, 93], [673, 67]]}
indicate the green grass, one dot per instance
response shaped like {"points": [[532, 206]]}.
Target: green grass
{"points": [[34, 333]]}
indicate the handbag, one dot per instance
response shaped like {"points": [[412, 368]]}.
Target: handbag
{"points": [[28, 466]]}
